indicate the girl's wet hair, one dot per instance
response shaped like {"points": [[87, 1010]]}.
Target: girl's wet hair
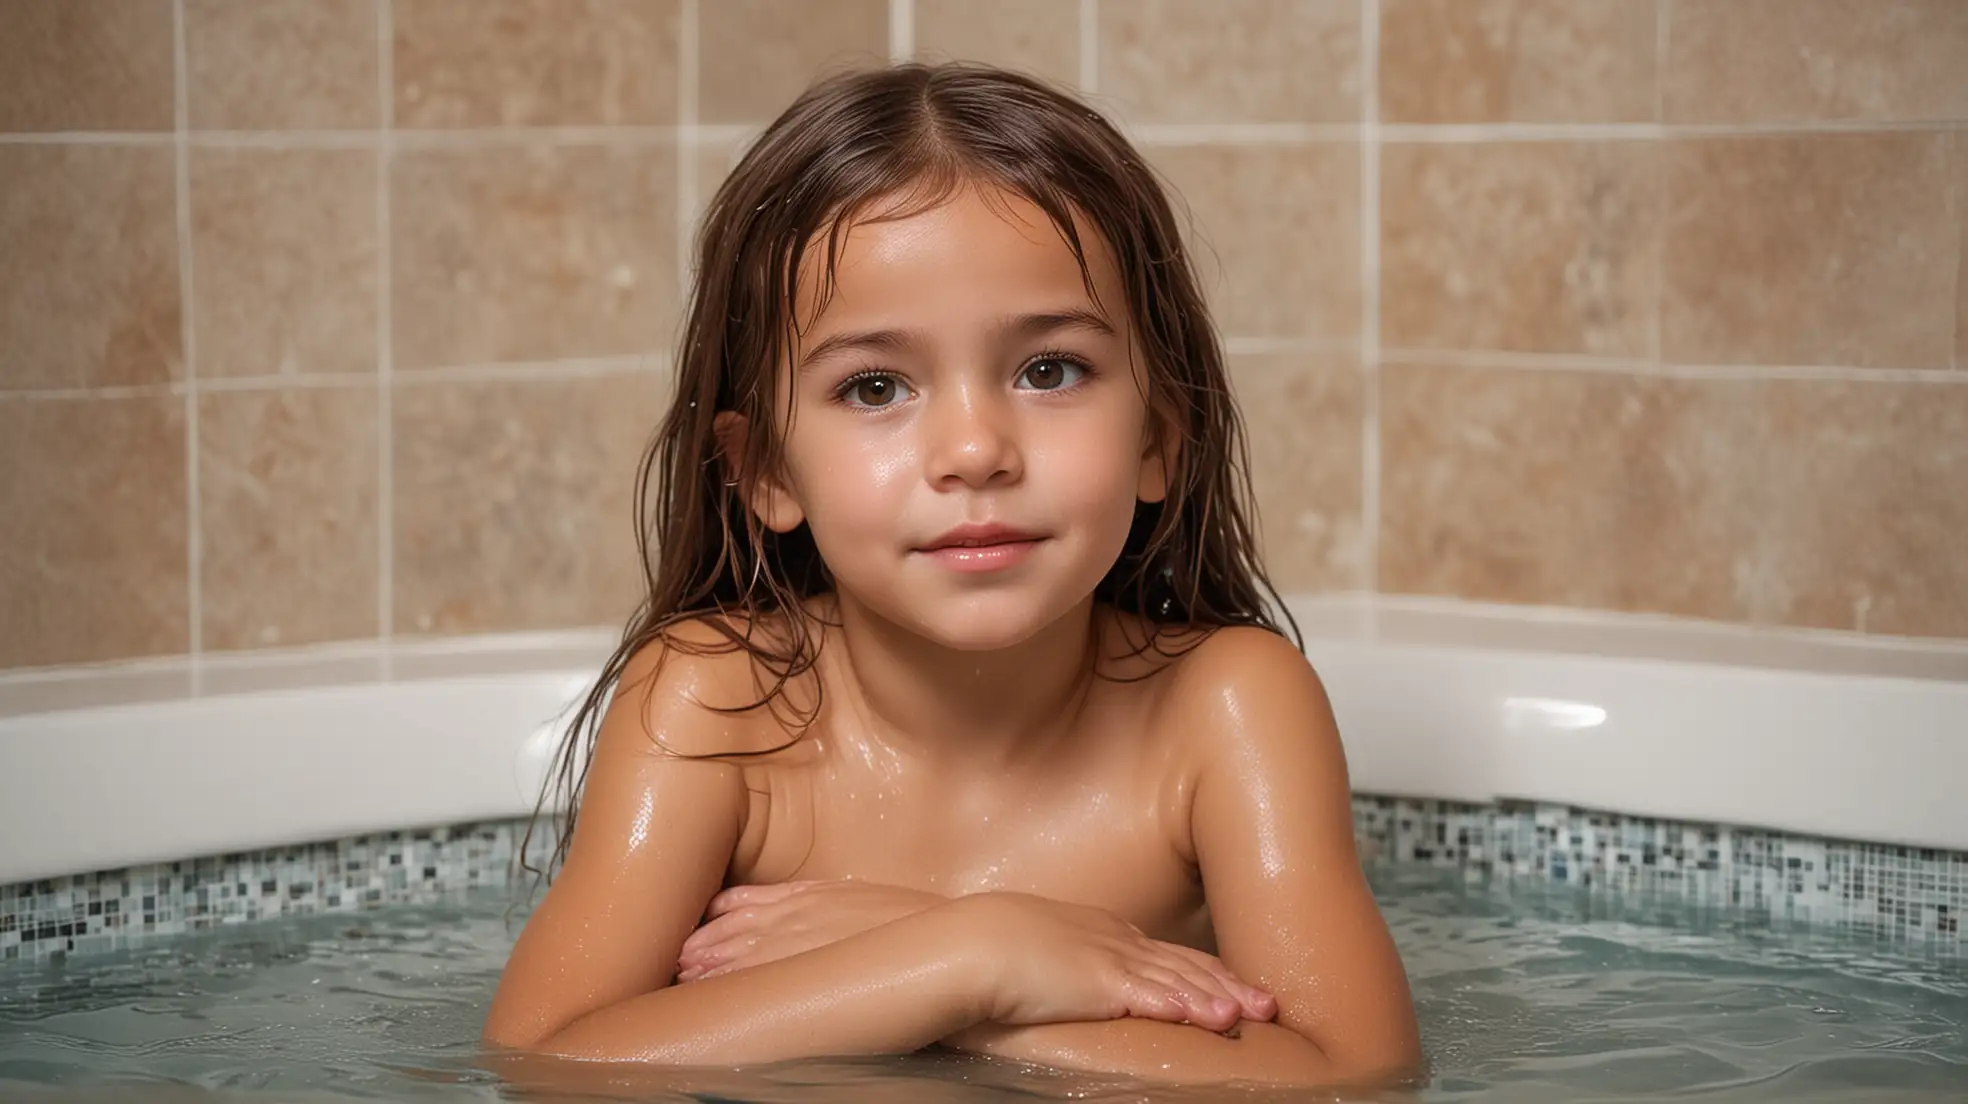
{"points": [[882, 144]]}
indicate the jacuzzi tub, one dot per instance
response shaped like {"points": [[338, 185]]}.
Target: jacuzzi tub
{"points": [[1546, 812], [1823, 736]]}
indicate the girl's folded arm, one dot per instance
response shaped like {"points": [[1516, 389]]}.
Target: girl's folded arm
{"points": [[1271, 822], [593, 973]]}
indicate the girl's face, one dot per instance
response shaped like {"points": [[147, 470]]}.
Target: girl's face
{"points": [[968, 435]]}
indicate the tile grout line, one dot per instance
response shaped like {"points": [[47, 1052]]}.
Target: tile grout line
{"points": [[1663, 16], [901, 30], [1370, 292], [1229, 134], [1592, 616], [1286, 346], [385, 338], [127, 391], [1657, 332], [1090, 46], [541, 371], [1213, 133], [91, 138], [1501, 360], [1958, 147], [188, 342], [536, 371], [1568, 362], [687, 153]]}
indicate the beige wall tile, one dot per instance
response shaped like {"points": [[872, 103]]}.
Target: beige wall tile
{"points": [[284, 261], [512, 501], [1517, 61], [1765, 61], [287, 489], [715, 161], [1041, 37], [1546, 247], [536, 62], [87, 65], [1276, 234], [1813, 249], [1231, 61], [1816, 503], [1961, 253], [757, 56], [1860, 508], [1560, 488], [534, 253], [281, 64], [92, 530], [96, 227], [1303, 415]]}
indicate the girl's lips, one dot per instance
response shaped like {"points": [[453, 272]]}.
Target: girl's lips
{"points": [[982, 557]]}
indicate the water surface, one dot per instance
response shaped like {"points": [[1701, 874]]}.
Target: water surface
{"points": [[1527, 992]]}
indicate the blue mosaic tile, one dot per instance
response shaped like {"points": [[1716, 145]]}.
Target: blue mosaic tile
{"points": [[1896, 893], [111, 910], [1904, 894]]}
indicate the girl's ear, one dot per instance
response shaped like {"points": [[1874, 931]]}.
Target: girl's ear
{"points": [[1160, 453], [766, 495]]}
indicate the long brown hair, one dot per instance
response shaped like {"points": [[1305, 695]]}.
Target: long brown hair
{"points": [[915, 133]]}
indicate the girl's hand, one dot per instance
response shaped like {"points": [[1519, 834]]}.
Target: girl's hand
{"points": [[751, 925], [1060, 963]]}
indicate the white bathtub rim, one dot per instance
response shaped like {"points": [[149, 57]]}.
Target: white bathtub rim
{"points": [[117, 785], [1389, 619]]}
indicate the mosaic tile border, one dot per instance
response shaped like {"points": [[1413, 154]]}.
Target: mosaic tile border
{"points": [[1897, 894], [1773, 879], [116, 909]]}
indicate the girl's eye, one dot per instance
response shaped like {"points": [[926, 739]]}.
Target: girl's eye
{"points": [[1051, 374], [873, 391]]}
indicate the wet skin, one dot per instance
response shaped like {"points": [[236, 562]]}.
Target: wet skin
{"points": [[1007, 832]]}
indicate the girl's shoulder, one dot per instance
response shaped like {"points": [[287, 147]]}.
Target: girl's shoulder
{"points": [[1234, 682], [702, 690], [1192, 659], [1235, 658]]}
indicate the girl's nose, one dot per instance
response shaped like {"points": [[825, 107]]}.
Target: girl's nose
{"points": [[973, 441]]}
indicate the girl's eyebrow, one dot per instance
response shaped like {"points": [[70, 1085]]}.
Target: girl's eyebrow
{"points": [[1020, 326]]}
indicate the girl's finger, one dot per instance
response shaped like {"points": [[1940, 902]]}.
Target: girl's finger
{"points": [[738, 897], [1152, 1000], [705, 944], [1204, 1005], [732, 955], [729, 926], [1258, 1004], [1202, 983], [714, 955]]}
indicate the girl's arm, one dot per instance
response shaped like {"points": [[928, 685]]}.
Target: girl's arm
{"points": [[1272, 827], [1156, 1051], [593, 974]]}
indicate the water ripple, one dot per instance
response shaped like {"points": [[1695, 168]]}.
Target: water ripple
{"points": [[1526, 994]]}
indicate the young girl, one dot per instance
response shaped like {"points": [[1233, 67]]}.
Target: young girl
{"points": [[955, 712]]}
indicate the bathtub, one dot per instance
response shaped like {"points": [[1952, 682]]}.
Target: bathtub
{"points": [[1817, 735], [1621, 859]]}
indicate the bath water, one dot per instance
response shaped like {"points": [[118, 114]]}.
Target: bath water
{"points": [[1527, 992]]}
